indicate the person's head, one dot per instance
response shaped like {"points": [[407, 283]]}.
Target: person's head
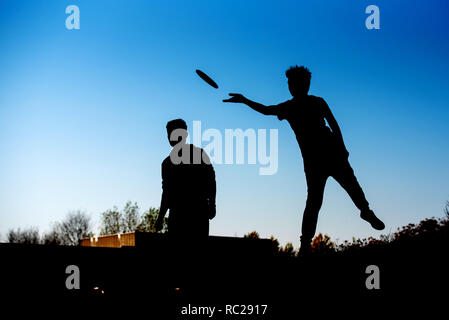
{"points": [[298, 80], [176, 131]]}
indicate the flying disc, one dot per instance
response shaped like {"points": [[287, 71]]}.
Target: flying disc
{"points": [[206, 78]]}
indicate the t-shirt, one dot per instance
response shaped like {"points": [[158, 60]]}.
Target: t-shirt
{"points": [[306, 117], [190, 184]]}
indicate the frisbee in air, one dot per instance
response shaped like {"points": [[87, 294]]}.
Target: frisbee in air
{"points": [[206, 78]]}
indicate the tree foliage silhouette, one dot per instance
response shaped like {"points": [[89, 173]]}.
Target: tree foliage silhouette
{"points": [[322, 244], [251, 235], [288, 250], [26, 236], [112, 221], [131, 217], [148, 221], [71, 230], [129, 220]]}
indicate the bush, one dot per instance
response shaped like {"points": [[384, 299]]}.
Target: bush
{"points": [[27, 236]]}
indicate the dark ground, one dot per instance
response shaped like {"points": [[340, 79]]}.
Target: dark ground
{"points": [[223, 271]]}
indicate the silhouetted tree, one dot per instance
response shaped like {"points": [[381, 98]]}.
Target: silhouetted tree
{"points": [[275, 243], [131, 217], [129, 220], [70, 231], [27, 236], [322, 244], [53, 237], [252, 235], [111, 221], [288, 250], [148, 221]]}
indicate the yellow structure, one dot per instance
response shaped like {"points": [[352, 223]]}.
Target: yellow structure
{"points": [[111, 241]]}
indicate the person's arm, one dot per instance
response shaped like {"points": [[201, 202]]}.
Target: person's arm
{"points": [[265, 110], [210, 184], [212, 191], [333, 125], [162, 212], [164, 200]]}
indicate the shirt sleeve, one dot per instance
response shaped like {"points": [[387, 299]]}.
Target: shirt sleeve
{"points": [[281, 110]]}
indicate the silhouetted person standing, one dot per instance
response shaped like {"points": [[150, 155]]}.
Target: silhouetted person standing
{"points": [[322, 147], [188, 186]]}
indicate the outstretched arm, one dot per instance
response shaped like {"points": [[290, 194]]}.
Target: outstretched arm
{"points": [[239, 98], [333, 125]]}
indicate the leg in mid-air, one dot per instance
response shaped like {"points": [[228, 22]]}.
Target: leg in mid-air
{"points": [[344, 175], [316, 182]]}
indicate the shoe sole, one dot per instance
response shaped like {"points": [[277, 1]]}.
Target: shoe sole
{"points": [[378, 225]]}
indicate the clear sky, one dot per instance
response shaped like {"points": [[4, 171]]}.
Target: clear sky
{"points": [[83, 112]]}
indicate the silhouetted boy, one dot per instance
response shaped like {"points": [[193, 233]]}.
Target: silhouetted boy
{"points": [[188, 186], [323, 150]]}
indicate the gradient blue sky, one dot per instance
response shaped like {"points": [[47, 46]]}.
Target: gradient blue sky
{"points": [[83, 112]]}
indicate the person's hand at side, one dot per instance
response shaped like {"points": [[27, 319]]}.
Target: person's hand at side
{"points": [[212, 210], [159, 224]]}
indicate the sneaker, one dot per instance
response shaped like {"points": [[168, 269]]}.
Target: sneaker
{"points": [[376, 223]]}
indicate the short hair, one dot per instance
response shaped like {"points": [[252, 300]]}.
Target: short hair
{"points": [[299, 74], [176, 124]]}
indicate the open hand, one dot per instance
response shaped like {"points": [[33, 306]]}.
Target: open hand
{"points": [[236, 98]]}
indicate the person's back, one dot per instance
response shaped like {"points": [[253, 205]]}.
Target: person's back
{"points": [[189, 185], [306, 116], [188, 190]]}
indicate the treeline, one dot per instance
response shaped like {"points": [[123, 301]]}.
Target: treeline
{"points": [[129, 219], [430, 231], [320, 243], [77, 225], [287, 250], [74, 227]]}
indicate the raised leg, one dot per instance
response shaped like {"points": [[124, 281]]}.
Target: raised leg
{"points": [[346, 178]]}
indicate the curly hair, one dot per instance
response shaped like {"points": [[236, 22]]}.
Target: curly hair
{"points": [[299, 73]]}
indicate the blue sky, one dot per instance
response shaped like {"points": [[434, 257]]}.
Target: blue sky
{"points": [[83, 112]]}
